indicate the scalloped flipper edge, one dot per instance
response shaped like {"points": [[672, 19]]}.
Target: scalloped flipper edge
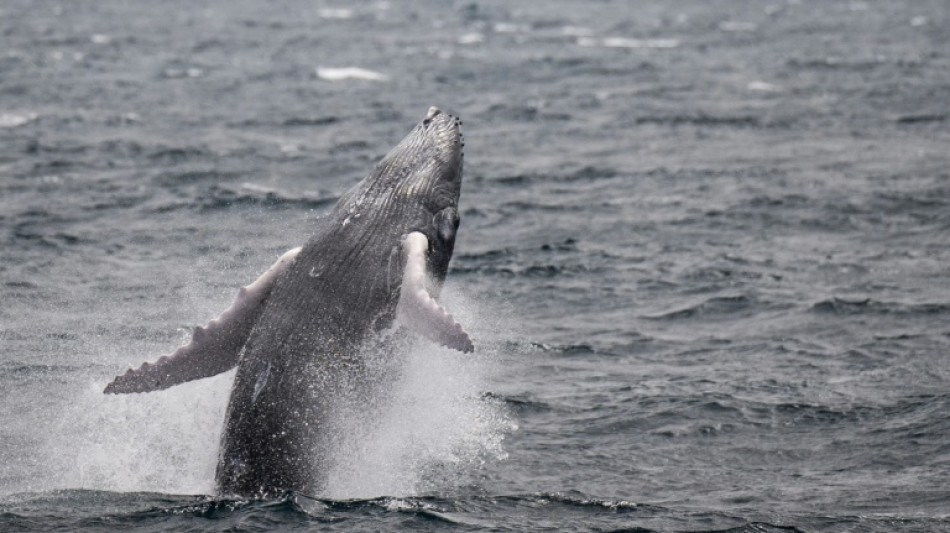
{"points": [[417, 310], [214, 348]]}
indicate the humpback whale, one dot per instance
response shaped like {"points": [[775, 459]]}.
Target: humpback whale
{"points": [[298, 335]]}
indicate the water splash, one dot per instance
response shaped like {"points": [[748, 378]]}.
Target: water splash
{"points": [[427, 429], [433, 427], [158, 442]]}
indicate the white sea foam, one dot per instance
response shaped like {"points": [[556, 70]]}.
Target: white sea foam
{"points": [[471, 38], [625, 42], [348, 73], [13, 120], [335, 13], [511, 27], [763, 87]]}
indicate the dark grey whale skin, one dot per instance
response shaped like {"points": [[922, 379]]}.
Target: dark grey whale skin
{"points": [[304, 353]]}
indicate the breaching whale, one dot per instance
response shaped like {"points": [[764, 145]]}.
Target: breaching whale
{"points": [[297, 333]]}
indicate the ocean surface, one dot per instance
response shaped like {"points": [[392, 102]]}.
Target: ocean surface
{"points": [[704, 258]]}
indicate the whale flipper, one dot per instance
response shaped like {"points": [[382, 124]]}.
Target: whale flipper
{"points": [[417, 310], [214, 348]]}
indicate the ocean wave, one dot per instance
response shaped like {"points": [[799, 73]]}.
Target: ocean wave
{"points": [[83, 510], [703, 119], [718, 306], [537, 271], [172, 155], [224, 196], [523, 113], [520, 404], [583, 174], [311, 121], [868, 306], [922, 118]]}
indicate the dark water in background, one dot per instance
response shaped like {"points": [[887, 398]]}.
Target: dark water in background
{"points": [[703, 255]]}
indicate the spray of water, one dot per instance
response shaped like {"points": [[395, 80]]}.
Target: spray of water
{"points": [[157, 442], [428, 427], [431, 426]]}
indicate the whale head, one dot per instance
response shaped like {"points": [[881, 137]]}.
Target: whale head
{"points": [[415, 188], [425, 168]]}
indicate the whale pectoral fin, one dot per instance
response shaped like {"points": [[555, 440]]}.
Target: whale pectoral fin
{"points": [[214, 348], [416, 309]]}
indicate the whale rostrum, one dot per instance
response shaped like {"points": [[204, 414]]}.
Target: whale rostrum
{"points": [[298, 333]]}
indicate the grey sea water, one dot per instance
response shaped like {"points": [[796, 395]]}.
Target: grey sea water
{"points": [[703, 256]]}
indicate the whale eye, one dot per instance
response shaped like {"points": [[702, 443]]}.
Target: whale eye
{"points": [[447, 223]]}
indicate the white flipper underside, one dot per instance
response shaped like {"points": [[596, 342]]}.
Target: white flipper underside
{"points": [[214, 348], [416, 309]]}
